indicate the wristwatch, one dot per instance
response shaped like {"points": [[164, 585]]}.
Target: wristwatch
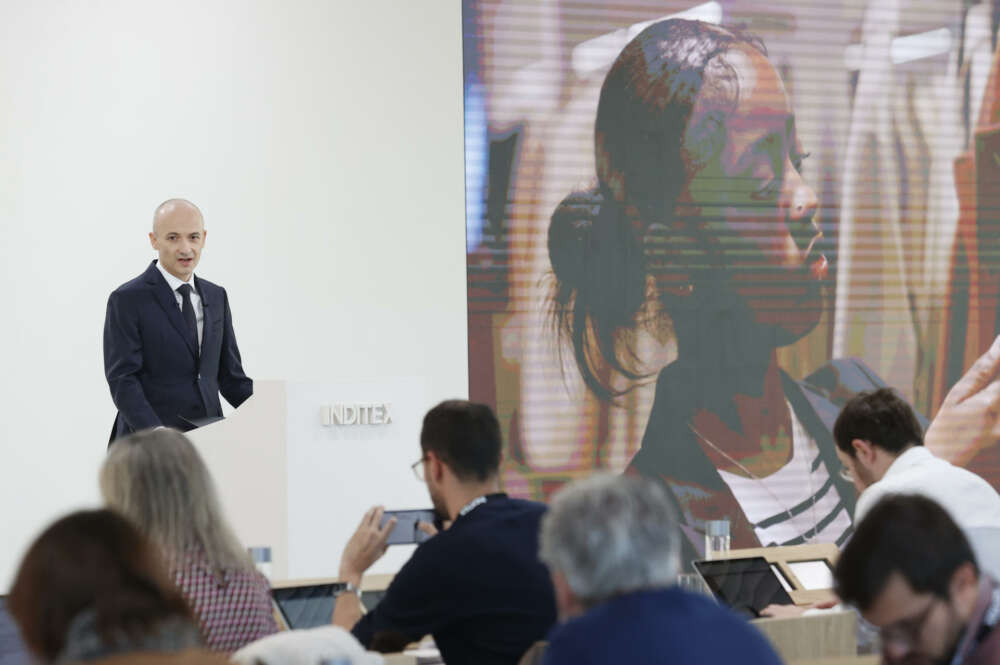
{"points": [[347, 588]]}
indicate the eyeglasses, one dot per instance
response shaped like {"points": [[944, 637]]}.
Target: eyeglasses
{"points": [[907, 631], [418, 468]]}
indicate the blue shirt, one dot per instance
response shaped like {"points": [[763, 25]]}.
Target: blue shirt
{"points": [[478, 588], [658, 626]]}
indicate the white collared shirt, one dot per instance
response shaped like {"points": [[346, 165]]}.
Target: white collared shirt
{"points": [[175, 283], [969, 499]]}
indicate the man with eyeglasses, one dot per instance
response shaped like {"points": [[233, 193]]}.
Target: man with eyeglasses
{"points": [[881, 447], [911, 572], [478, 586]]}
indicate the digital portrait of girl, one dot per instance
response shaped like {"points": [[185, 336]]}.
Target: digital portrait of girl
{"points": [[679, 308]]}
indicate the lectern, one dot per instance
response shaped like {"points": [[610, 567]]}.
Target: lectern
{"points": [[298, 463]]}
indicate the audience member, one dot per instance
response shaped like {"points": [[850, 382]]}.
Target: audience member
{"points": [[912, 573], [311, 646], [92, 586], [612, 545], [478, 586], [158, 480], [880, 444]]}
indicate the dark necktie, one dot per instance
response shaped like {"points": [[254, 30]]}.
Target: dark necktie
{"points": [[187, 309]]}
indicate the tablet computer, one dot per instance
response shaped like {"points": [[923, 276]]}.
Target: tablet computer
{"points": [[306, 606], [745, 585], [813, 574]]}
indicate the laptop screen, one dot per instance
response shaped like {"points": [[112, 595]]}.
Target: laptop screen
{"points": [[746, 586], [306, 606], [12, 649]]}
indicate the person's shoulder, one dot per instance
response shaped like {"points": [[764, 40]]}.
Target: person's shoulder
{"points": [[135, 286], [964, 485], [516, 513], [205, 284], [527, 506], [931, 471]]}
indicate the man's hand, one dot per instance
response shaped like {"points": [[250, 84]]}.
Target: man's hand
{"points": [[791, 611], [432, 530], [783, 611], [429, 529], [366, 546], [968, 421]]}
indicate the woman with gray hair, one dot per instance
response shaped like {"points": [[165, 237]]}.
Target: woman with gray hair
{"points": [[157, 479], [612, 546]]}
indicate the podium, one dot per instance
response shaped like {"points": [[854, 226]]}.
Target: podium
{"points": [[298, 464]]}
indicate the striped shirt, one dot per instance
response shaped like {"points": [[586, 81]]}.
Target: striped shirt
{"points": [[802, 487]]}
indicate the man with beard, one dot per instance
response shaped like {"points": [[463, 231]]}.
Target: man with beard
{"points": [[478, 587], [880, 444], [911, 572]]}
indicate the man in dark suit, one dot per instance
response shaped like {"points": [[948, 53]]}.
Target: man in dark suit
{"points": [[169, 346]]}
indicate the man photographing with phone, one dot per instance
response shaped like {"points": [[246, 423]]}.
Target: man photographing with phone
{"points": [[478, 587]]}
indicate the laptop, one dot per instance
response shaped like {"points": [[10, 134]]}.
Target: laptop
{"points": [[746, 585], [306, 605], [12, 649]]}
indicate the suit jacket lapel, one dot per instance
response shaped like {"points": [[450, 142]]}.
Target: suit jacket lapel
{"points": [[165, 297]]}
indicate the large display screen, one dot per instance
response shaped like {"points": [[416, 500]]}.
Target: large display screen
{"points": [[694, 230]]}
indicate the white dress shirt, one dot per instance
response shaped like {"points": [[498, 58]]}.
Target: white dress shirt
{"points": [[175, 283], [970, 500]]}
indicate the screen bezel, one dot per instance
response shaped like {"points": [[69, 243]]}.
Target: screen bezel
{"points": [[755, 564], [400, 534], [330, 587]]}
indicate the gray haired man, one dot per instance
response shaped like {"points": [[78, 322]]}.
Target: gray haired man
{"points": [[612, 546]]}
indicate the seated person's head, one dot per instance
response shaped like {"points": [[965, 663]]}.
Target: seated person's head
{"points": [[872, 430], [92, 585], [910, 571], [461, 447], [157, 479], [606, 536]]}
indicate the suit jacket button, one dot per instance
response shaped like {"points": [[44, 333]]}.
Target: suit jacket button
{"points": [[199, 377]]}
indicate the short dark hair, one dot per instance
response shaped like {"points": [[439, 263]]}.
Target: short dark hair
{"points": [[909, 534], [466, 436], [881, 417], [97, 560]]}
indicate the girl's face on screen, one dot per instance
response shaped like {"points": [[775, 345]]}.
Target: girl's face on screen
{"points": [[752, 202]]}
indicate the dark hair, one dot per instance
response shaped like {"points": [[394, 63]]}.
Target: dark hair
{"points": [[599, 239], [93, 560], [908, 534], [882, 418], [466, 436]]}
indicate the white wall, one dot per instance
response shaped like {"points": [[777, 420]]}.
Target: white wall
{"points": [[322, 140]]}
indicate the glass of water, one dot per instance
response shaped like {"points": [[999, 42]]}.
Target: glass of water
{"points": [[716, 539]]}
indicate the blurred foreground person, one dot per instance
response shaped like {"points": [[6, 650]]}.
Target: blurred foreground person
{"points": [[92, 586], [911, 572], [157, 479], [612, 546]]}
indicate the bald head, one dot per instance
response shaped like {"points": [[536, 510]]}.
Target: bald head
{"points": [[176, 207], [178, 236]]}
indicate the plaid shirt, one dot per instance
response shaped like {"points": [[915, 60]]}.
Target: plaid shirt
{"points": [[233, 610]]}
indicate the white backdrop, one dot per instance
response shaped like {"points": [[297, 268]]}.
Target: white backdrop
{"points": [[323, 142]]}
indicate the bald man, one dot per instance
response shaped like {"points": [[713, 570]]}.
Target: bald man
{"points": [[169, 346]]}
